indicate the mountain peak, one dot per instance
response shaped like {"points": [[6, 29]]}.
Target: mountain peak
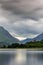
{"points": [[1, 27], [41, 34], [6, 37]]}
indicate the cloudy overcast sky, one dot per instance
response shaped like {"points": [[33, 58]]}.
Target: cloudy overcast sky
{"points": [[22, 18]]}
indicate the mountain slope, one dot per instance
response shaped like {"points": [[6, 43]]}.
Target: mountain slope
{"points": [[5, 37], [38, 38], [26, 40]]}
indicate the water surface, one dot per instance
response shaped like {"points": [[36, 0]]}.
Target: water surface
{"points": [[21, 57]]}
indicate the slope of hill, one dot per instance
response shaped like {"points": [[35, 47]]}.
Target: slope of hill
{"points": [[38, 38], [5, 37], [26, 40]]}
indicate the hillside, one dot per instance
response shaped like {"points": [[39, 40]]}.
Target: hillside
{"points": [[5, 37], [38, 38]]}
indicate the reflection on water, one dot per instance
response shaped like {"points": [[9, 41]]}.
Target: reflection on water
{"points": [[21, 57]]}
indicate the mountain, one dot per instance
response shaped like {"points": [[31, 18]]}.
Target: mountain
{"points": [[26, 40], [6, 38], [38, 38]]}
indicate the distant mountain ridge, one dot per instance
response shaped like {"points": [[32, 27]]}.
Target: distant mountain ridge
{"points": [[38, 38], [5, 37], [26, 40]]}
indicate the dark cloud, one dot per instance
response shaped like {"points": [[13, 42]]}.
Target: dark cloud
{"points": [[22, 16], [24, 8]]}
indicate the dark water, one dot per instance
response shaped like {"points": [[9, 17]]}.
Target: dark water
{"points": [[21, 57]]}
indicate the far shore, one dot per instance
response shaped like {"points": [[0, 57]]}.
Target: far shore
{"points": [[13, 49]]}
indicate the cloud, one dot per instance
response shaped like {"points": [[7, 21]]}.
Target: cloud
{"points": [[23, 9], [27, 27], [22, 17], [32, 9]]}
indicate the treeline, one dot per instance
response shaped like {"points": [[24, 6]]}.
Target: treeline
{"points": [[14, 45], [32, 44]]}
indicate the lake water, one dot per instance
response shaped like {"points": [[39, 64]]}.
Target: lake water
{"points": [[21, 57]]}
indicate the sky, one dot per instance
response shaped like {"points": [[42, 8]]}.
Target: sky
{"points": [[22, 18]]}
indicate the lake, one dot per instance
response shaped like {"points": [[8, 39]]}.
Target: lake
{"points": [[21, 57]]}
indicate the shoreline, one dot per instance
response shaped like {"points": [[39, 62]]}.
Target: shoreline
{"points": [[29, 49]]}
